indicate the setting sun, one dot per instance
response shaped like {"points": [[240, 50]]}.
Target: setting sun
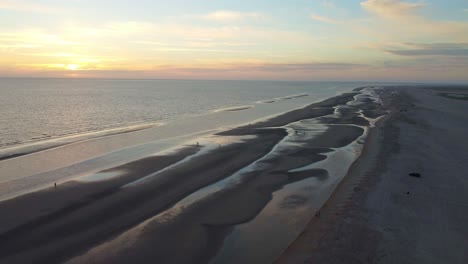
{"points": [[72, 67]]}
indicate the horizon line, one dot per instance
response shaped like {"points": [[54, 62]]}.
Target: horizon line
{"points": [[420, 82]]}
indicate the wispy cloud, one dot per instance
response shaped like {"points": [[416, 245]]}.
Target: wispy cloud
{"points": [[25, 6], [391, 8], [14, 46], [394, 20], [142, 44], [327, 4], [231, 44], [433, 49], [200, 43], [200, 50], [213, 71], [32, 38], [323, 19], [251, 70], [228, 15], [312, 67], [419, 69]]}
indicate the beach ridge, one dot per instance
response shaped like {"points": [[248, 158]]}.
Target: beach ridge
{"points": [[383, 213]]}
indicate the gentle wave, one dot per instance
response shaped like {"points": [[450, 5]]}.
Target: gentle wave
{"points": [[31, 146], [46, 117], [234, 108], [292, 96], [46, 141], [266, 102]]}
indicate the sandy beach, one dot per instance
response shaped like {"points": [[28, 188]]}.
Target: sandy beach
{"points": [[188, 205], [382, 214]]}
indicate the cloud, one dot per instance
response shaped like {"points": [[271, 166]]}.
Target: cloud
{"points": [[431, 52], [200, 50], [394, 20], [131, 27], [227, 16], [328, 4], [194, 43], [24, 6], [434, 49], [323, 19], [14, 46], [31, 39], [451, 69], [267, 70], [141, 44], [299, 71], [313, 67], [391, 8]]}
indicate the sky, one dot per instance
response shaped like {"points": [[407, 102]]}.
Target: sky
{"points": [[323, 40]]}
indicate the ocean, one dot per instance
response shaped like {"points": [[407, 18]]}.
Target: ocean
{"points": [[35, 110]]}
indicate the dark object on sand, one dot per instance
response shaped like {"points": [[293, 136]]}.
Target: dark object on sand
{"points": [[415, 174], [407, 192], [317, 214], [55, 185]]}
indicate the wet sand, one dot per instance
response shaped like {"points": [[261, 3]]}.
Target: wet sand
{"points": [[138, 211], [380, 213]]}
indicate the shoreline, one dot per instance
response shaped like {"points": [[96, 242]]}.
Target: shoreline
{"points": [[24, 144], [358, 175], [378, 213], [104, 152], [199, 193]]}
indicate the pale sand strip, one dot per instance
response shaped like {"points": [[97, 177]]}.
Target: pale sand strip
{"points": [[379, 214]]}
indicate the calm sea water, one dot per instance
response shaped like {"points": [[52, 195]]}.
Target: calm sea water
{"points": [[38, 109]]}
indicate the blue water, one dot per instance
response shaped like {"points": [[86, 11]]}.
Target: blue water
{"points": [[37, 109]]}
